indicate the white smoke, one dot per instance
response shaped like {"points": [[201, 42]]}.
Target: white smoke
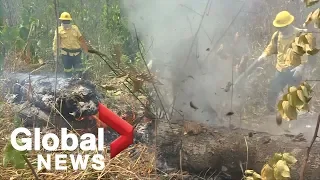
{"points": [[182, 45]]}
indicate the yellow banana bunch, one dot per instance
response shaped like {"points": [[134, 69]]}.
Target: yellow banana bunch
{"points": [[295, 100]]}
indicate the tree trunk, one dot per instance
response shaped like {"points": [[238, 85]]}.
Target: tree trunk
{"points": [[221, 148]]}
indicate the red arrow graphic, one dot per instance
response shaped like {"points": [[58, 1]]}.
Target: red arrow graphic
{"points": [[120, 126]]}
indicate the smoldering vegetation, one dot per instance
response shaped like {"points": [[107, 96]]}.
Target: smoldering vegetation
{"points": [[198, 48]]}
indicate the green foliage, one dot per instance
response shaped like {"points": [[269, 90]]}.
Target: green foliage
{"points": [[139, 61], [101, 23], [13, 156], [15, 38], [17, 121], [8, 36], [1, 17]]}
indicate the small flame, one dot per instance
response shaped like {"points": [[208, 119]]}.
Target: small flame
{"points": [[80, 119]]}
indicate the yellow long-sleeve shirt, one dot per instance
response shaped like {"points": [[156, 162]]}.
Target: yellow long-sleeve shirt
{"points": [[286, 56], [69, 39]]}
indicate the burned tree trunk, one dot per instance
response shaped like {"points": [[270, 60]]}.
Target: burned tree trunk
{"points": [[221, 148], [33, 97]]}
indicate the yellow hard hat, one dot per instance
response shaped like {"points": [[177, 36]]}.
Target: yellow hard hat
{"points": [[283, 18], [65, 16]]}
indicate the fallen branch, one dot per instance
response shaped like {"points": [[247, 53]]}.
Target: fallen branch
{"points": [[31, 167], [304, 165], [146, 65]]}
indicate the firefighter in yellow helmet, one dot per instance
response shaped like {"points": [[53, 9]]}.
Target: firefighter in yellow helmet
{"points": [[289, 68], [71, 45]]}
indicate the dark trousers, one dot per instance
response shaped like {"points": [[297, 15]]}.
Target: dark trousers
{"points": [[72, 65], [280, 81]]}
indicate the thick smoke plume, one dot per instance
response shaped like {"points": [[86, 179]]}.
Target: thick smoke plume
{"points": [[195, 46], [183, 38]]}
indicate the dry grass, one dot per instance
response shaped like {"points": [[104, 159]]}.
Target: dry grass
{"points": [[125, 166], [137, 162]]}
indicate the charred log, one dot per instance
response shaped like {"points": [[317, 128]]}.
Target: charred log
{"points": [[218, 148], [76, 99]]}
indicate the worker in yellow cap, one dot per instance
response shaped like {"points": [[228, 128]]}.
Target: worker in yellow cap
{"points": [[289, 68], [71, 45]]}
